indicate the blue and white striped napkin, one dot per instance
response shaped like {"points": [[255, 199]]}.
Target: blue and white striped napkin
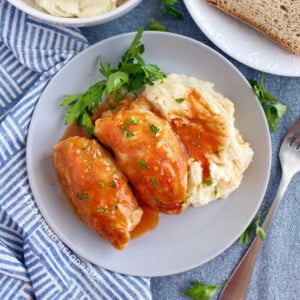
{"points": [[34, 264]]}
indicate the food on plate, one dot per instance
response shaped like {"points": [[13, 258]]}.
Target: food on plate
{"points": [[97, 188], [171, 138], [204, 121], [277, 19], [77, 8], [148, 152]]}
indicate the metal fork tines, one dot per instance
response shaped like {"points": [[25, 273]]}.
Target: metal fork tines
{"points": [[289, 154]]}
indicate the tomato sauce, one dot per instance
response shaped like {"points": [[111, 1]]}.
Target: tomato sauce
{"points": [[198, 139], [150, 217], [149, 221]]}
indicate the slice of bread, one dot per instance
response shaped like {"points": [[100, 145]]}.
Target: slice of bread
{"points": [[277, 19]]}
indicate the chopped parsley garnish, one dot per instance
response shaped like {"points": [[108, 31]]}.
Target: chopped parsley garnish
{"points": [[208, 181], [179, 100], [184, 200], [133, 120], [89, 167], [143, 164], [82, 197], [199, 136], [153, 180], [127, 133], [215, 191], [130, 75], [101, 183], [154, 129], [113, 184], [101, 210]]}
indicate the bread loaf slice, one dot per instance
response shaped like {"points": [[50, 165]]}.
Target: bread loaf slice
{"points": [[277, 19]]}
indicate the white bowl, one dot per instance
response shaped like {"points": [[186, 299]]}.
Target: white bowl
{"points": [[29, 7]]}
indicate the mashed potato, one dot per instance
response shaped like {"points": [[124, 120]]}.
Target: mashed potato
{"points": [[204, 122], [77, 8]]}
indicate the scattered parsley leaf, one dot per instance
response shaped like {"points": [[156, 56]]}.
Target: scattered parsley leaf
{"points": [[133, 120], [154, 129], [153, 180], [101, 183], [208, 182], [157, 26], [246, 235], [130, 75], [168, 9], [113, 184], [82, 197], [179, 100], [201, 291], [143, 164], [101, 210], [215, 191], [273, 108]]}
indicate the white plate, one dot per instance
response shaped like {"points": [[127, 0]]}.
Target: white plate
{"points": [[242, 42], [180, 242]]}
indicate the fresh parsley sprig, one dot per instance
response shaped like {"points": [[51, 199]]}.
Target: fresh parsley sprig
{"points": [[201, 291], [273, 108], [246, 235], [168, 8], [130, 75]]}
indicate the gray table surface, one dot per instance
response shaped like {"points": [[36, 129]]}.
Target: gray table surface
{"points": [[277, 273]]}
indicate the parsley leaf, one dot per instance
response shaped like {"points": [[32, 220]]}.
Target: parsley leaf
{"points": [[130, 75], [168, 9], [246, 235], [157, 26], [201, 291], [273, 108]]}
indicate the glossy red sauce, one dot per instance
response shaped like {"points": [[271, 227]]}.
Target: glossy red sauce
{"points": [[149, 221], [150, 217], [198, 139]]}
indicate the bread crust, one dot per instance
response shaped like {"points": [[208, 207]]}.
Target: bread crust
{"points": [[279, 20]]}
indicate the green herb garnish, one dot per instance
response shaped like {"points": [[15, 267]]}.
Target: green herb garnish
{"points": [[168, 9], [143, 164], [127, 133], [130, 75], [113, 184], [82, 197], [133, 120], [101, 183], [273, 108], [101, 210], [154, 129], [153, 180], [208, 181], [157, 26], [246, 235], [201, 291], [179, 100]]}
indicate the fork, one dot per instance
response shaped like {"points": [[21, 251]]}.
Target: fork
{"points": [[289, 155]]}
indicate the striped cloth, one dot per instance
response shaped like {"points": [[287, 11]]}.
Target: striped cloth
{"points": [[34, 263]]}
